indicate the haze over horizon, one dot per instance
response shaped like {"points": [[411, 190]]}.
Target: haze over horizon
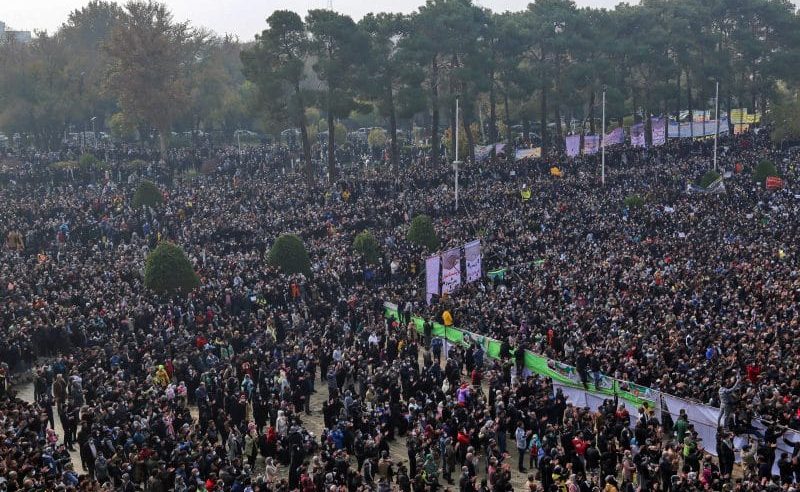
{"points": [[244, 18]]}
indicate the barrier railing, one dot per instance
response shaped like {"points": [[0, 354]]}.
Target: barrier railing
{"points": [[557, 371], [633, 396]]}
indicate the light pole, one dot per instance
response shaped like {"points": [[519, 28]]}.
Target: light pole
{"points": [[239, 143], [456, 162], [716, 130], [82, 140], [94, 134], [603, 142]]}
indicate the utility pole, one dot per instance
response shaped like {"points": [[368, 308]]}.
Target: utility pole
{"points": [[239, 142], [603, 141], [456, 162], [94, 133], [716, 131]]}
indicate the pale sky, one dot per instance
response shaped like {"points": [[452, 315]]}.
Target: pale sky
{"points": [[244, 18]]}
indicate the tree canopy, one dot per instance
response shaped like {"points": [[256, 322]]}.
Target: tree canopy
{"points": [[422, 233], [367, 246], [168, 271], [543, 68], [147, 194], [289, 254]]}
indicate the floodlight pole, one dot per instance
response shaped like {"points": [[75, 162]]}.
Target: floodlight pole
{"points": [[456, 162], [603, 141]]}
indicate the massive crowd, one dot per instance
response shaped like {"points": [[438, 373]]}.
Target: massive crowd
{"points": [[212, 391]]}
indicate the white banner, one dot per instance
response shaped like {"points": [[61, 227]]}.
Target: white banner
{"points": [[582, 398], [431, 277], [698, 128], [451, 270], [472, 253], [703, 417]]}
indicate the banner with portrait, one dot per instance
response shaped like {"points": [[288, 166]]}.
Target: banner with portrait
{"points": [[451, 270], [472, 254]]}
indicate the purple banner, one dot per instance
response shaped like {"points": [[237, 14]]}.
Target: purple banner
{"points": [[637, 135], [617, 136], [591, 144], [573, 145], [659, 128]]}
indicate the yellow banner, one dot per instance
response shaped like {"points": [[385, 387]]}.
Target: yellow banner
{"points": [[740, 116]]}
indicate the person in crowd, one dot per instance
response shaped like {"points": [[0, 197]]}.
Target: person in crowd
{"points": [[214, 389]]}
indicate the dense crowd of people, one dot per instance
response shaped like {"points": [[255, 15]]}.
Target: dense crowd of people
{"points": [[694, 295]]}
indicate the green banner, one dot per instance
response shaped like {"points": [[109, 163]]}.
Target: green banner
{"points": [[558, 372]]}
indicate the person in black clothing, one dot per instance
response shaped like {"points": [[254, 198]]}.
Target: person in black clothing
{"points": [[505, 350], [519, 359], [665, 471], [582, 366], [785, 469], [764, 469], [466, 483], [725, 453]]}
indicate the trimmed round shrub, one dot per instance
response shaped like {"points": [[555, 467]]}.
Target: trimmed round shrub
{"points": [[634, 201], [289, 254], [87, 161], [366, 244], [147, 195], [422, 233], [168, 271], [708, 178], [764, 170]]}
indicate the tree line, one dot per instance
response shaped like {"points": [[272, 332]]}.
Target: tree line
{"points": [[549, 63], [133, 68]]}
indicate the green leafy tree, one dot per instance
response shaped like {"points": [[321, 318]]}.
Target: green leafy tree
{"points": [[36, 95], [367, 246], [339, 130], [121, 127], [764, 170], [168, 271], [276, 64], [147, 195], [339, 48], [391, 78], [634, 201], [88, 161], [708, 178], [289, 254], [506, 41], [422, 233], [445, 33], [785, 118], [550, 61], [448, 139]]}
